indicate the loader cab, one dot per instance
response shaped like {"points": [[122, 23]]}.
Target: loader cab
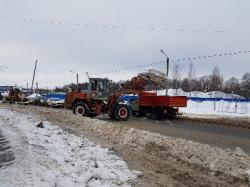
{"points": [[98, 88]]}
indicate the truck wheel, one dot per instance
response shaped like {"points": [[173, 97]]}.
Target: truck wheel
{"points": [[122, 113], [157, 114], [172, 114], [79, 109]]}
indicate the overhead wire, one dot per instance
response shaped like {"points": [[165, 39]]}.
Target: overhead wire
{"points": [[104, 26], [111, 26], [128, 68], [140, 66]]}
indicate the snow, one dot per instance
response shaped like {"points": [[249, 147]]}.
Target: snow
{"points": [[216, 107], [248, 175], [223, 108], [34, 96], [5, 94], [213, 94], [50, 156]]}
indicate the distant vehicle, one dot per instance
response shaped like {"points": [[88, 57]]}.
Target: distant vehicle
{"points": [[37, 100], [55, 102], [12, 96], [43, 101]]}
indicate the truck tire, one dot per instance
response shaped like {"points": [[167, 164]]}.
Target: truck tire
{"points": [[157, 114], [121, 113], [172, 113], [80, 109]]}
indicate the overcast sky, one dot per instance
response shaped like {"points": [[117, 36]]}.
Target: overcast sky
{"points": [[96, 36]]}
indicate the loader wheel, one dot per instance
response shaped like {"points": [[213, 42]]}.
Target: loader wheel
{"points": [[112, 116], [79, 109], [122, 113]]}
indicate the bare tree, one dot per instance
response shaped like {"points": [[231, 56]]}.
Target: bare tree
{"points": [[245, 85], [191, 72], [185, 85], [216, 79], [232, 85], [204, 83], [191, 77], [176, 76]]}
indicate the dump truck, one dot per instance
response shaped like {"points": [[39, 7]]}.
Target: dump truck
{"points": [[149, 103]]}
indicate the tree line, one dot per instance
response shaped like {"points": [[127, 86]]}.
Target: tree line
{"points": [[212, 82], [207, 83]]}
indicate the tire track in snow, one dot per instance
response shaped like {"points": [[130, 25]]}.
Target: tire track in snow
{"points": [[20, 149], [6, 155]]}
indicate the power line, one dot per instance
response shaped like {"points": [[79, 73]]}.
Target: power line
{"points": [[116, 27], [139, 66], [3, 68], [173, 60]]}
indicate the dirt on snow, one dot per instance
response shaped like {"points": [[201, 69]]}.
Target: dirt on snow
{"points": [[163, 160]]}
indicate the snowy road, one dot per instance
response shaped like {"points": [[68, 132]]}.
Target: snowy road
{"points": [[50, 156]]}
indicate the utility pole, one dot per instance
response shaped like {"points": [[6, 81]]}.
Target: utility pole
{"points": [[77, 79], [87, 74], [167, 71], [34, 74], [27, 85]]}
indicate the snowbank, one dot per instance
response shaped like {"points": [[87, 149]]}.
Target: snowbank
{"points": [[34, 96], [50, 156], [226, 163], [213, 94], [222, 107]]}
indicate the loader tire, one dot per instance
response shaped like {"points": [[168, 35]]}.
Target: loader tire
{"points": [[80, 109], [121, 113]]}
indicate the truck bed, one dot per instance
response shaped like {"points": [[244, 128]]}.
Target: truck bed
{"points": [[151, 99]]}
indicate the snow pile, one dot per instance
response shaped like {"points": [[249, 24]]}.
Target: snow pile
{"points": [[248, 175], [224, 108], [50, 156], [217, 161], [220, 107], [34, 96], [213, 94], [231, 166], [202, 156]]}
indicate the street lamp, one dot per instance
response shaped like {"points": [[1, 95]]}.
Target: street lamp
{"points": [[167, 63]]}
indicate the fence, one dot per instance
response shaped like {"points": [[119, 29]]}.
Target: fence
{"points": [[221, 105]]}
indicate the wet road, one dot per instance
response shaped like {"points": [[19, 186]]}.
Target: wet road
{"points": [[216, 135]]}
